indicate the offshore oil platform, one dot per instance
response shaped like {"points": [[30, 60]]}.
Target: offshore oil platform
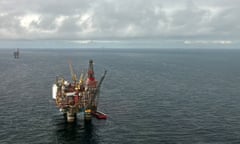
{"points": [[80, 95], [16, 54]]}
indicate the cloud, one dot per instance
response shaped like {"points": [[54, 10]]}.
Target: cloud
{"points": [[223, 42], [120, 20]]}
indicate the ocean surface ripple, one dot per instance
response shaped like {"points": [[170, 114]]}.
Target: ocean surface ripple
{"points": [[151, 96]]}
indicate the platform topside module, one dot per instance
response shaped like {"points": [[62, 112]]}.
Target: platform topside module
{"points": [[79, 95]]}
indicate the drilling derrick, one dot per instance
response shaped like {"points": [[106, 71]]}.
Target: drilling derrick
{"points": [[91, 85]]}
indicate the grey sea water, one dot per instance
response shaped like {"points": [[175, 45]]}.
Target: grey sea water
{"points": [[172, 96]]}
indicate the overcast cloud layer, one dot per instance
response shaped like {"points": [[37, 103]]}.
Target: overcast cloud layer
{"points": [[190, 21]]}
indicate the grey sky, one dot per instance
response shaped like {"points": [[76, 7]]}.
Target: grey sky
{"points": [[190, 22]]}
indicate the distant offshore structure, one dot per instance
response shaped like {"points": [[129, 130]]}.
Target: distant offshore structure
{"points": [[16, 54], [80, 95]]}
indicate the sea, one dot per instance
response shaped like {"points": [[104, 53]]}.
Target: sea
{"points": [[151, 96]]}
